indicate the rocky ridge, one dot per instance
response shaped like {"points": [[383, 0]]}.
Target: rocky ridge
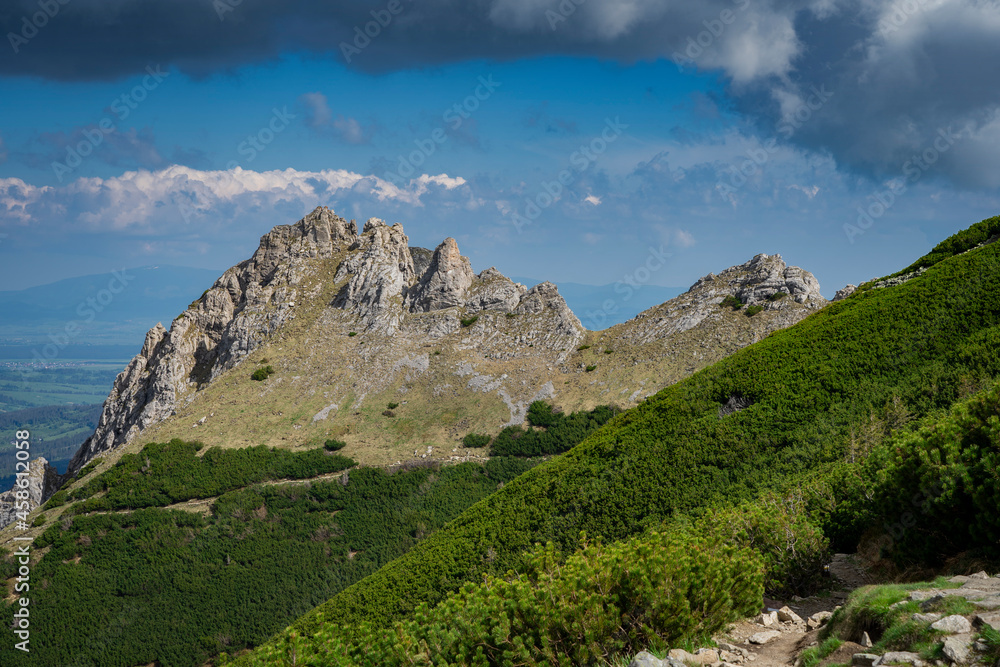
{"points": [[352, 321], [257, 297]]}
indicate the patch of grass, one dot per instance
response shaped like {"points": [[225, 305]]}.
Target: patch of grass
{"points": [[591, 368], [777, 296], [388, 413], [352, 334], [753, 310], [511, 316], [813, 656], [582, 348], [469, 321], [609, 351], [39, 520], [991, 638], [891, 628], [392, 406]]}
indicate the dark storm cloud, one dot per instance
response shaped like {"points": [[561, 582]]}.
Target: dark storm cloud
{"points": [[899, 73]]}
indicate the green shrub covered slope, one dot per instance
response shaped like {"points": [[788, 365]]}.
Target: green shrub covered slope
{"points": [[922, 345]]}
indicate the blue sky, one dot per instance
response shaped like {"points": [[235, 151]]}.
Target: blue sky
{"points": [[865, 131]]}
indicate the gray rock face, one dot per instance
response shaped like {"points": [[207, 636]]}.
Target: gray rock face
{"points": [[754, 283], [378, 275], [545, 297], [844, 292], [765, 275], [900, 658], [645, 659], [445, 282], [764, 637], [786, 615], [957, 648], [244, 306], [491, 290], [43, 481], [953, 625], [992, 620]]}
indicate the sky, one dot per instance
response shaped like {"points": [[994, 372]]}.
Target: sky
{"points": [[587, 141]]}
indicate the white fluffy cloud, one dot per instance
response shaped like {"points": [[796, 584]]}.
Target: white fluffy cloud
{"points": [[142, 201]]}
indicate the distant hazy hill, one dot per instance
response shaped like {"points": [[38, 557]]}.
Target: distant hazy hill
{"points": [[107, 309]]}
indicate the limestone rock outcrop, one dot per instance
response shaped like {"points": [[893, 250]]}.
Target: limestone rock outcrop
{"points": [[382, 285], [42, 481], [788, 293]]}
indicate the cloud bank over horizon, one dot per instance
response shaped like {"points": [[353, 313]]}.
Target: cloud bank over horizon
{"points": [[897, 73]]}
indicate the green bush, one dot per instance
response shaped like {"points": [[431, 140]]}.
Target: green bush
{"points": [[541, 413], [352, 334], [561, 432], [731, 302], [334, 445], [934, 490], [753, 310], [58, 498], [89, 468], [603, 601], [39, 520], [469, 321], [476, 440], [591, 368], [582, 348], [392, 406], [778, 527], [262, 374], [166, 473], [777, 296], [502, 469]]}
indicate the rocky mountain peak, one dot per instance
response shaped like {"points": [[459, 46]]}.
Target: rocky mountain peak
{"points": [[380, 286], [445, 282], [756, 282]]}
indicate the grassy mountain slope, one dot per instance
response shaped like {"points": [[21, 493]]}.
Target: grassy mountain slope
{"points": [[926, 343]]}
